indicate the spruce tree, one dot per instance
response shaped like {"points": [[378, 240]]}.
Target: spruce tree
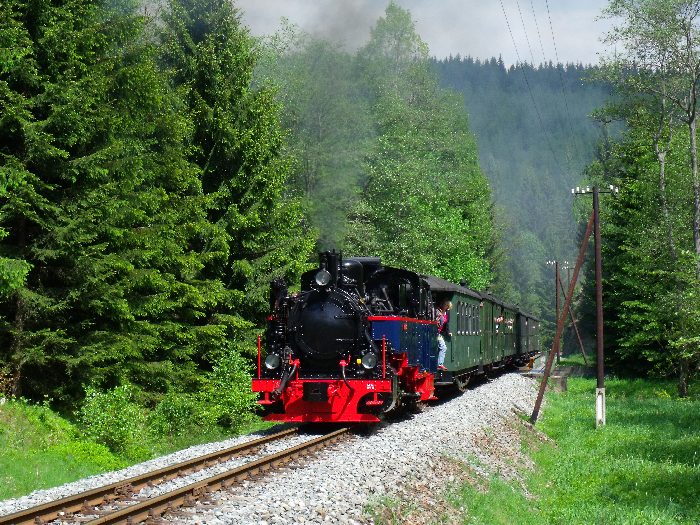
{"points": [[109, 213], [237, 143]]}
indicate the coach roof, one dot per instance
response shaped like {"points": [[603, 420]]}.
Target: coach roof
{"points": [[441, 285]]}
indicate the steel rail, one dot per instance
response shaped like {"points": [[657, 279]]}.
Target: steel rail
{"points": [[84, 500], [152, 508]]}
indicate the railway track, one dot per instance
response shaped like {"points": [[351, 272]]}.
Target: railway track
{"points": [[117, 503]]}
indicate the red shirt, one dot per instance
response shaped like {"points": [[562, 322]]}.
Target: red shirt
{"points": [[442, 322]]}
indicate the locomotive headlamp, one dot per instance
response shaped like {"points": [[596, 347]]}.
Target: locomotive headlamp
{"points": [[369, 360], [272, 361], [323, 277]]}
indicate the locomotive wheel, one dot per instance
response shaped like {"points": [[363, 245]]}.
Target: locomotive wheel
{"points": [[462, 382]]}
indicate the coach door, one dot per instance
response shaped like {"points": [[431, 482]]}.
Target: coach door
{"points": [[486, 332]]}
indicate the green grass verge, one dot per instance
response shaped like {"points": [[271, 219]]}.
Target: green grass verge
{"points": [[577, 360], [40, 449], [643, 467]]}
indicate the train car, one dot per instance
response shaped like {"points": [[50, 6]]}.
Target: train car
{"points": [[360, 341], [487, 334]]}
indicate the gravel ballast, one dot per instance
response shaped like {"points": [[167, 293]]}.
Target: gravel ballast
{"points": [[336, 484], [43, 496]]}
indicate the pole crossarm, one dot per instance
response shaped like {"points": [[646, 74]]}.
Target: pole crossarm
{"points": [[561, 319]]}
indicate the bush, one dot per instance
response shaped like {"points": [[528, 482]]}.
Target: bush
{"points": [[177, 414], [86, 452], [226, 393], [112, 419]]}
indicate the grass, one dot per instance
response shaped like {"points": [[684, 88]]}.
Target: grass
{"points": [[39, 449], [642, 468], [576, 359]]}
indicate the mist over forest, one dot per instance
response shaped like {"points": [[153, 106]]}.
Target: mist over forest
{"points": [[536, 135], [531, 125]]}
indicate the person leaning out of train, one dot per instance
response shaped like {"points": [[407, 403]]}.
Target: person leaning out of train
{"points": [[442, 319]]}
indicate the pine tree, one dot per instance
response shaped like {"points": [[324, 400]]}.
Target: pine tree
{"points": [[237, 143], [50, 109], [108, 214]]}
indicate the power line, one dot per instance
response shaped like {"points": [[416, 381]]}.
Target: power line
{"points": [[539, 36], [561, 78], [532, 55], [527, 38], [569, 119], [532, 97]]}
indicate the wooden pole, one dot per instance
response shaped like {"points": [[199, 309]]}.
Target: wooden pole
{"points": [[560, 321]]}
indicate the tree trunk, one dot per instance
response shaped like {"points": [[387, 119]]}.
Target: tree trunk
{"points": [[664, 204], [661, 158], [684, 366], [16, 350], [696, 191], [15, 361]]}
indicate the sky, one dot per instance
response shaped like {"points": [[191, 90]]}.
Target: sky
{"points": [[468, 27]]}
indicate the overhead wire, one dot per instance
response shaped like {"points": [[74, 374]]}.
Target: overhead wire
{"points": [[544, 58], [567, 153], [574, 136], [527, 38], [532, 56], [532, 96]]}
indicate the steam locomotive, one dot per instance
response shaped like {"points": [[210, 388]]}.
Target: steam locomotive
{"points": [[360, 341]]}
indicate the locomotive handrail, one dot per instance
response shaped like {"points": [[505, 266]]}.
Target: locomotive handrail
{"points": [[401, 319]]}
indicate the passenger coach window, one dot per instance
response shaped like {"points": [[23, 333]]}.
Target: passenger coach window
{"points": [[459, 318]]}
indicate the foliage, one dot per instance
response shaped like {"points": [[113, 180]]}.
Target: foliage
{"points": [[108, 212], [226, 392], [142, 197], [534, 137], [177, 414], [257, 232], [329, 123], [38, 449], [114, 420], [224, 401], [657, 70], [426, 204], [651, 290]]}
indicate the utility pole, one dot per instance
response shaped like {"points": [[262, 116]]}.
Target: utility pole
{"points": [[560, 322], [556, 301], [600, 356], [567, 267]]}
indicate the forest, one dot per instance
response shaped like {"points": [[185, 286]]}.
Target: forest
{"points": [[155, 179], [159, 167]]}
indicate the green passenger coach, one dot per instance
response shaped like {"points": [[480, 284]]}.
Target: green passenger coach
{"points": [[486, 333]]}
